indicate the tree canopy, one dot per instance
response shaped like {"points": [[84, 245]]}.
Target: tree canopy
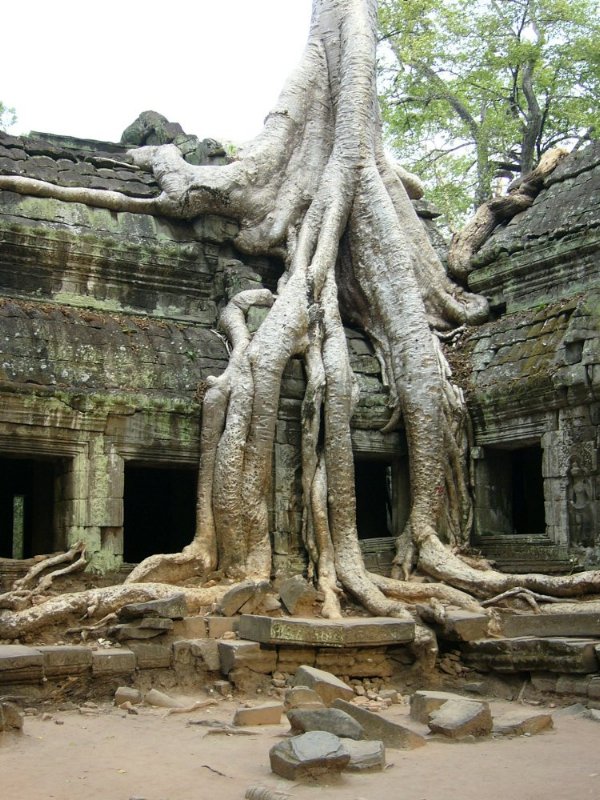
{"points": [[475, 91], [7, 116]]}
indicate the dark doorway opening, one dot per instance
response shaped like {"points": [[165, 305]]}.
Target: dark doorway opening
{"points": [[27, 507], [373, 487], [527, 490], [159, 510], [509, 492]]}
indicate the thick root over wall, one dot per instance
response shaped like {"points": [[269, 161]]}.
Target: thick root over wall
{"points": [[317, 187]]}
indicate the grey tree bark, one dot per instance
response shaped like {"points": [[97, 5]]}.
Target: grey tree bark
{"points": [[317, 186]]}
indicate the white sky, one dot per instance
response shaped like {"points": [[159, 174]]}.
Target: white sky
{"points": [[88, 69]]}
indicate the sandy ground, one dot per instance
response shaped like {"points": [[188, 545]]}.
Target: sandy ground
{"points": [[111, 755]]}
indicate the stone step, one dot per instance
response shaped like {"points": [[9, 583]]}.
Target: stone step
{"points": [[524, 654], [348, 632], [579, 623]]}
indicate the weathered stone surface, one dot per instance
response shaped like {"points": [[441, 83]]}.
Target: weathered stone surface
{"points": [[465, 626], [348, 632], [459, 718], [364, 756], [126, 694], [151, 655], [377, 728], [65, 660], [582, 623], [423, 702], [161, 624], [115, 661], [332, 720], [311, 755], [11, 718], [519, 723], [206, 651], [297, 595], [326, 685], [238, 595], [20, 664], [538, 654], [302, 697], [173, 607], [267, 714], [237, 653]]}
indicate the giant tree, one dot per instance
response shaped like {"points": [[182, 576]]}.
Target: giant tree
{"points": [[489, 86], [317, 187]]}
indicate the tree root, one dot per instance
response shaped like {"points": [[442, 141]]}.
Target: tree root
{"points": [[532, 598]]}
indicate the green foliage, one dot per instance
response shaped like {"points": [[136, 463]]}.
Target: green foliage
{"points": [[477, 90], [7, 117]]}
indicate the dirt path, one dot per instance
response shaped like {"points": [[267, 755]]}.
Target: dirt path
{"points": [[111, 755]]}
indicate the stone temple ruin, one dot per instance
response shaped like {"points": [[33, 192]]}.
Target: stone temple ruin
{"points": [[108, 333]]}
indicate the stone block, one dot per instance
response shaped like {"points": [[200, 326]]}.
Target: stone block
{"points": [[464, 626], [289, 659], [238, 653], [326, 685], [580, 623], [173, 607], [11, 718], [113, 661], [379, 729], [532, 654], [572, 684], [130, 632], [423, 702], [62, 660], [459, 718], [519, 723], [310, 756], [217, 626], [593, 690], [364, 756], [332, 720], [349, 632], [297, 595], [20, 664], [267, 714], [302, 697], [239, 595], [190, 628], [205, 652], [151, 655]]}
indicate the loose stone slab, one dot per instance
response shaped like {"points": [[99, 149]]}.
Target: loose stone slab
{"points": [[311, 755], [532, 654], [459, 718], [20, 664], [238, 595], [267, 714], [62, 660], [11, 718], [423, 702], [297, 594], [580, 623], [332, 720], [326, 685], [364, 756], [519, 723], [378, 728], [350, 632]]}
